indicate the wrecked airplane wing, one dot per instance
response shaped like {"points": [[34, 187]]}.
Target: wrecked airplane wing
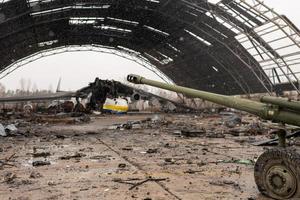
{"points": [[97, 93], [55, 96], [100, 88]]}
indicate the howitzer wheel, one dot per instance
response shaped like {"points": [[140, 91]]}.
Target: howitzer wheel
{"points": [[277, 173]]}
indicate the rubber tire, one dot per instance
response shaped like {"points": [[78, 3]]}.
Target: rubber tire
{"points": [[289, 157]]}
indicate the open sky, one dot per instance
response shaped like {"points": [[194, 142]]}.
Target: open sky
{"points": [[78, 68]]}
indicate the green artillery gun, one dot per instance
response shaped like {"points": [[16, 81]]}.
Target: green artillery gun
{"points": [[277, 171]]}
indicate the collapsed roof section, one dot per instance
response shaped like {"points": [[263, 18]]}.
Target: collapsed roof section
{"points": [[225, 48]]}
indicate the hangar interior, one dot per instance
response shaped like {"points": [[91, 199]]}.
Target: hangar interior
{"points": [[232, 47], [90, 144]]}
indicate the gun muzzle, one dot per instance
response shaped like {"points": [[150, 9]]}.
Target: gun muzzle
{"points": [[136, 79]]}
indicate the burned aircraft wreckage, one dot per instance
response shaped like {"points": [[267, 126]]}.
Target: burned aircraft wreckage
{"points": [[94, 97], [96, 92], [232, 47]]}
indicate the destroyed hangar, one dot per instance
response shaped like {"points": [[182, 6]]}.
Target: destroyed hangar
{"points": [[233, 47]]}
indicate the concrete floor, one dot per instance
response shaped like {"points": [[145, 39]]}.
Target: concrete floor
{"points": [[90, 161]]}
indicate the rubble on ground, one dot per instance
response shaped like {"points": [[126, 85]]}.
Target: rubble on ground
{"points": [[141, 156]]}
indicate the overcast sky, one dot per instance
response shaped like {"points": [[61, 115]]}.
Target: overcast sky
{"points": [[79, 68]]}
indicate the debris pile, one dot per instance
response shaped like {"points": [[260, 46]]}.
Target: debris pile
{"points": [[225, 123], [150, 123], [8, 130], [61, 118], [149, 156]]}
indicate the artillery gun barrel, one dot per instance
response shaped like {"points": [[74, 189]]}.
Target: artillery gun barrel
{"points": [[260, 109], [281, 102]]}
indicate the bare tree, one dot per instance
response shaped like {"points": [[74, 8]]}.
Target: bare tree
{"points": [[10, 93], [22, 85], [35, 88], [50, 88], [28, 86], [2, 90]]}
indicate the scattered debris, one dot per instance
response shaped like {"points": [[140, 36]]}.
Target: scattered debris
{"points": [[147, 180], [231, 120], [7, 130], [180, 149], [40, 163], [76, 156], [130, 125], [190, 171], [241, 161], [9, 177], [100, 157], [136, 184], [149, 123], [211, 134], [42, 154], [60, 137], [192, 133], [152, 151], [225, 182], [2, 131], [275, 140], [256, 128], [35, 175], [169, 160], [10, 128], [83, 119], [122, 165], [7, 161], [127, 148], [51, 183]]}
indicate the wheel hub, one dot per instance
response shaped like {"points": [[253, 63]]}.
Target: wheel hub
{"points": [[281, 181]]}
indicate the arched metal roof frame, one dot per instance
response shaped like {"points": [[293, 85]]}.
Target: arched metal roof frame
{"points": [[182, 38], [274, 41], [121, 52]]}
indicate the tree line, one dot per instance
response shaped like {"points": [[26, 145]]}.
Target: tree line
{"points": [[25, 88]]}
